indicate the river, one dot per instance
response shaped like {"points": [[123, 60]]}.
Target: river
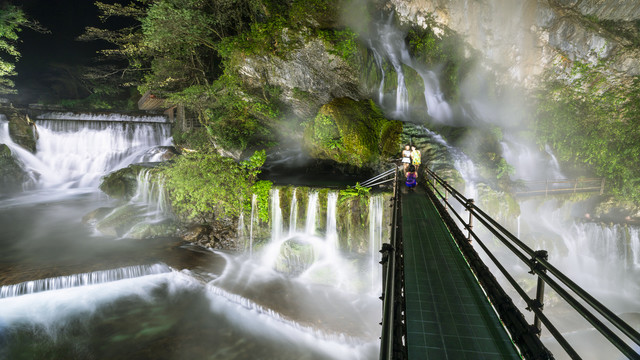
{"points": [[69, 292]]}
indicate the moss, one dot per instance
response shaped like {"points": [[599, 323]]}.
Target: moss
{"points": [[20, 129], [121, 184], [415, 88], [350, 132]]}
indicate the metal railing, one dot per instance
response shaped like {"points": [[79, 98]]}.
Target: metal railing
{"points": [[393, 335], [383, 178], [548, 275], [561, 186]]}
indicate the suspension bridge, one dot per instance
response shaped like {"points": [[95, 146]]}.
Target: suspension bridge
{"points": [[441, 301]]}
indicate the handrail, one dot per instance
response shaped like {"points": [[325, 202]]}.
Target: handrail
{"points": [[537, 262], [392, 339], [377, 177]]}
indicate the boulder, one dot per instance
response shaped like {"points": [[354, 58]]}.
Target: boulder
{"points": [[295, 257], [147, 230], [12, 176], [121, 220], [121, 184], [21, 129], [352, 132]]}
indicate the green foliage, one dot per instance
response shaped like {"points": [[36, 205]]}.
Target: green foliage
{"points": [[446, 50], [262, 189], [587, 123], [12, 19], [352, 192], [352, 132], [342, 43], [207, 186]]}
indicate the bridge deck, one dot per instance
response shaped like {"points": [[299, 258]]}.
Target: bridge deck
{"points": [[448, 315]]}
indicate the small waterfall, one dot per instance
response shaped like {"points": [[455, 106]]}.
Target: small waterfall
{"points": [[152, 193], [252, 221], [375, 239], [293, 216], [378, 59], [84, 279], [332, 228], [312, 212], [276, 216], [461, 162]]}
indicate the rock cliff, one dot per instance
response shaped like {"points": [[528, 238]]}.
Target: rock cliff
{"points": [[519, 40]]}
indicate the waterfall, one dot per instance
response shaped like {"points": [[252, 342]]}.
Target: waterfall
{"points": [[461, 162], [293, 216], [153, 194], [78, 153], [276, 216], [375, 239], [332, 228], [312, 211], [390, 44], [252, 221], [91, 278]]}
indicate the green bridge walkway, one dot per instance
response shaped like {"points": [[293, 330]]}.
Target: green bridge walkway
{"points": [[448, 315]]}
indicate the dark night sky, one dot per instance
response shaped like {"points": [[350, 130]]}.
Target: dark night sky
{"points": [[66, 20]]}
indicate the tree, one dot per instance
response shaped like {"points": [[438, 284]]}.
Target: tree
{"points": [[12, 19]]}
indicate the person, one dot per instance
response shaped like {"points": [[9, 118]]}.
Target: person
{"points": [[415, 158], [412, 176], [406, 158]]}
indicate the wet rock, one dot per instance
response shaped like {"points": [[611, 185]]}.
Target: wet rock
{"points": [[21, 129], [12, 176], [220, 234], [121, 184], [295, 257], [147, 230], [96, 215], [120, 220]]}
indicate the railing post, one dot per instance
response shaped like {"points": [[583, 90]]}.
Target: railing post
{"points": [[446, 196], [469, 207], [539, 301], [575, 187], [602, 186], [546, 188]]}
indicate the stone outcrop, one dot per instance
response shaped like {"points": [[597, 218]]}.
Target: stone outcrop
{"points": [[352, 132], [519, 40], [309, 76], [121, 184], [21, 129], [12, 176]]}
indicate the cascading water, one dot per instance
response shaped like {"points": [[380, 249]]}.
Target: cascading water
{"points": [[312, 211], [603, 259], [92, 278], [375, 239], [152, 194], [78, 153], [331, 235]]}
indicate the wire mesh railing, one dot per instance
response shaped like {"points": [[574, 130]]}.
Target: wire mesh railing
{"points": [[580, 300]]}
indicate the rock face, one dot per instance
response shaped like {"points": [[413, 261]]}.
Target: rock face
{"points": [[521, 39], [309, 76], [352, 132]]}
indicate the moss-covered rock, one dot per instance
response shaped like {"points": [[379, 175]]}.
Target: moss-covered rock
{"points": [[352, 132], [12, 176], [121, 220], [147, 230], [21, 129], [121, 184]]}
